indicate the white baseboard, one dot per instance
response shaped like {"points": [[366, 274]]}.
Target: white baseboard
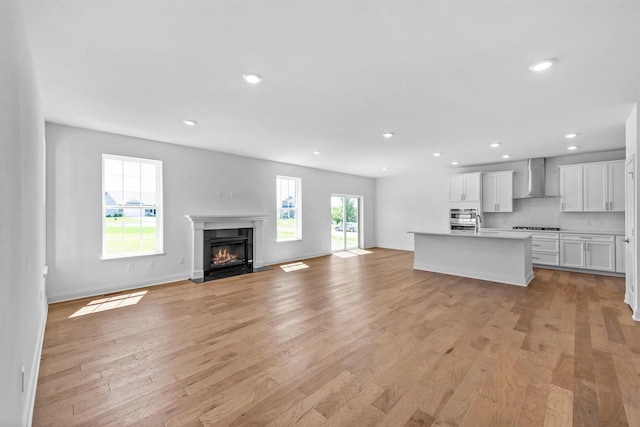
{"points": [[396, 247], [298, 258], [30, 392], [92, 292]]}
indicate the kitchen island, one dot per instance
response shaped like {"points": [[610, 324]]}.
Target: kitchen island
{"points": [[488, 255]]}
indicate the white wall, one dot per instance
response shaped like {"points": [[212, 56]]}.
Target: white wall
{"points": [[420, 202], [410, 202], [192, 179], [22, 309]]}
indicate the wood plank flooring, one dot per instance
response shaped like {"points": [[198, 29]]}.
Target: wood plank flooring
{"points": [[357, 341]]}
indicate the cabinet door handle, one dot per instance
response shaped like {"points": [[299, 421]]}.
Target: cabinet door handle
{"points": [[584, 237], [562, 208], [498, 207]]}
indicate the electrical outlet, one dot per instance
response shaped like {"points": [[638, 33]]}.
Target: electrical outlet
{"points": [[129, 267], [219, 194], [233, 194], [150, 264], [181, 260], [588, 222]]}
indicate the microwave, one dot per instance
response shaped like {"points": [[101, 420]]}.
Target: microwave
{"points": [[463, 219]]}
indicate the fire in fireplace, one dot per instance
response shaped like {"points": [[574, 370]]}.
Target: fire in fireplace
{"points": [[227, 252], [223, 257]]}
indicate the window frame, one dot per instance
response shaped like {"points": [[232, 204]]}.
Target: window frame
{"points": [[158, 207], [297, 209]]}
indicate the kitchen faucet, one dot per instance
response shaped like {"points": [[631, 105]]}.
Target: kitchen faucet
{"points": [[478, 221]]}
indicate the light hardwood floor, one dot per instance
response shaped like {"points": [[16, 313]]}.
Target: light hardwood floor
{"points": [[357, 341]]}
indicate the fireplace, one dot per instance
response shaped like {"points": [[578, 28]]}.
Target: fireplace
{"points": [[227, 252], [201, 224]]}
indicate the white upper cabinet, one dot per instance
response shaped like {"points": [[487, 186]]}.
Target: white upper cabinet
{"points": [[465, 187], [616, 186], [592, 187], [571, 188], [497, 192], [595, 179]]}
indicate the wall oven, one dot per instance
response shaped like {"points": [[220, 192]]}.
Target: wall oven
{"points": [[463, 219]]}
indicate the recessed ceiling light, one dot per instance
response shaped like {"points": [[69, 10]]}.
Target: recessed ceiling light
{"points": [[385, 169], [316, 152], [190, 122], [455, 163], [252, 78], [571, 135], [506, 156], [543, 65], [437, 154], [495, 145], [388, 134], [572, 147]]}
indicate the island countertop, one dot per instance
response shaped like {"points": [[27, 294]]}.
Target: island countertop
{"points": [[487, 255], [512, 235]]}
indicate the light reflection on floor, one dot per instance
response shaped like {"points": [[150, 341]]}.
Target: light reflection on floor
{"points": [[351, 253], [293, 267], [109, 303]]}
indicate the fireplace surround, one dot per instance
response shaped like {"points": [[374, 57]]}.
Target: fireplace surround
{"points": [[201, 224]]}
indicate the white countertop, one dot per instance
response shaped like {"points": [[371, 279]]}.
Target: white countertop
{"points": [[490, 234], [562, 230]]}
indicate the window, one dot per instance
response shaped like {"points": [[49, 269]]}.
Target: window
{"points": [[289, 208], [131, 206]]}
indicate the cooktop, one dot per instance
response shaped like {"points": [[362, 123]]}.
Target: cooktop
{"points": [[527, 227]]}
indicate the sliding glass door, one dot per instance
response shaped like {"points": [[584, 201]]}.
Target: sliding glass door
{"points": [[345, 222]]}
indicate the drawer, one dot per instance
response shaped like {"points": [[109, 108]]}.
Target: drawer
{"points": [[545, 258], [545, 245], [546, 235], [588, 237]]}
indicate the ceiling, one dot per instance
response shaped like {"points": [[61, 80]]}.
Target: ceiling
{"points": [[445, 76]]}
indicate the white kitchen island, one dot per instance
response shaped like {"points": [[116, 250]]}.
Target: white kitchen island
{"points": [[488, 255]]}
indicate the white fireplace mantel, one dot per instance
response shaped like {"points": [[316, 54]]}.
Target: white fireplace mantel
{"points": [[199, 223]]}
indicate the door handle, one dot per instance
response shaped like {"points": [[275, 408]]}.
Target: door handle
{"points": [[626, 240]]}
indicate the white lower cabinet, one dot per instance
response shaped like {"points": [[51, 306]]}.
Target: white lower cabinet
{"points": [[589, 251], [545, 249], [621, 254], [601, 256], [572, 254]]}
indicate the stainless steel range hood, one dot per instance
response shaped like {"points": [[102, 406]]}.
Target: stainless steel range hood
{"points": [[536, 179]]}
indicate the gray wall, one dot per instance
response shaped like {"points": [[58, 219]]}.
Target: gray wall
{"points": [[192, 179], [420, 201], [22, 308]]}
